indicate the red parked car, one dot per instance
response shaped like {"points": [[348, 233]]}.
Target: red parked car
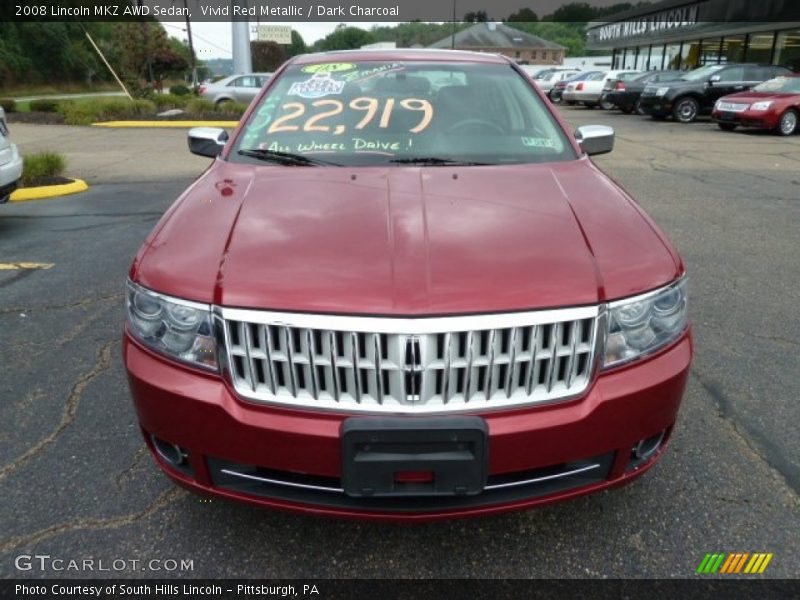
{"points": [[774, 105], [403, 291]]}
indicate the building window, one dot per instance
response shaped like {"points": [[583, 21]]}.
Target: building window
{"points": [[787, 49], [672, 57], [690, 55], [710, 51], [656, 57], [732, 50], [759, 48]]}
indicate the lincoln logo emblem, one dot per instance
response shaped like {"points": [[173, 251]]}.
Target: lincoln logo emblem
{"points": [[413, 368]]}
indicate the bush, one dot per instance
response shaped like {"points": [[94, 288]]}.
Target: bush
{"points": [[39, 168], [180, 90], [168, 101], [105, 109], [44, 105], [8, 105], [199, 107], [234, 109]]}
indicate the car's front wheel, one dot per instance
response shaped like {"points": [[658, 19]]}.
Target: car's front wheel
{"points": [[606, 105], [220, 104], [685, 110], [788, 123], [727, 126]]}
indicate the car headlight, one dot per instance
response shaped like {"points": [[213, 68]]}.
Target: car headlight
{"points": [[761, 105], [641, 325], [177, 328], [661, 91]]}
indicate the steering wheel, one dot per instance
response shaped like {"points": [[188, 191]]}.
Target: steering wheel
{"points": [[475, 122]]}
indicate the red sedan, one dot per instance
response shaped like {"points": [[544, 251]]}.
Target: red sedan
{"points": [[403, 291], [774, 105]]}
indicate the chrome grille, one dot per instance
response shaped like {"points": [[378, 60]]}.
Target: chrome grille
{"points": [[410, 365], [732, 106]]}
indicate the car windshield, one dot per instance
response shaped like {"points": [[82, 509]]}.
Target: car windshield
{"points": [[784, 85], [701, 73], [429, 113]]}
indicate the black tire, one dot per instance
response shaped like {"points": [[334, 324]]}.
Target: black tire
{"points": [[638, 108], [554, 99], [788, 123], [606, 105], [686, 109], [727, 126]]}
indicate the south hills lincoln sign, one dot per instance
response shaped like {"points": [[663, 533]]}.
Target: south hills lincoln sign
{"points": [[660, 22]]}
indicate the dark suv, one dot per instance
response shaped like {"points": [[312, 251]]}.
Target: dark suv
{"points": [[696, 92]]}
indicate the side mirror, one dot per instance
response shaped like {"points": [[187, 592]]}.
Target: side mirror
{"points": [[595, 139], [207, 141]]}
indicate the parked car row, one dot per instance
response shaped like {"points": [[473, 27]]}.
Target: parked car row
{"points": [[747, 95]]}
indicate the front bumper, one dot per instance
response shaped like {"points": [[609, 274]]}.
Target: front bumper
{"points": [[291, 459], [748, 118], [657, 106]]}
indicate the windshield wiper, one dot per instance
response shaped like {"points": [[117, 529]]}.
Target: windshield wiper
{"points": [[286, 158], [434, 161]]}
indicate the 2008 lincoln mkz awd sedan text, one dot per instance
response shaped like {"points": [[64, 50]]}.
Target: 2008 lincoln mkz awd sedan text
{"points": [[403, 291]]}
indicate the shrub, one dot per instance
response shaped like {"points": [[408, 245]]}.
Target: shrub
{"points": [[8, 105], [105, 109], [44, 105], [180, 90], [234, 109], [168, 101], [199, 107], [38, 168]]}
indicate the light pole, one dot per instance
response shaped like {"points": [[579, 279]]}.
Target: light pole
{"points": [[240, 33], [453, 39], [191, 45]]}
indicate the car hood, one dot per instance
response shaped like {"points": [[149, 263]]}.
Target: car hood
{"points": [[405, 240], [751, 96]]}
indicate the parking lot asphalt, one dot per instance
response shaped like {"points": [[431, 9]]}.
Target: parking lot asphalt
{"points": [[77, 482]]}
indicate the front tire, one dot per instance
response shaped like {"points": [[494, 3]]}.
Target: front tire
{"points": [[727, 126], [639, 109], [788, 123], [686, 110], [606, 105]]}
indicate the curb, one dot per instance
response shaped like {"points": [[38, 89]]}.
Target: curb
{"points": [[49, 191], [166, 124]]}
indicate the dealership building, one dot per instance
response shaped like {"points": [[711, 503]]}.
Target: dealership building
{"points": [[685, 34]]}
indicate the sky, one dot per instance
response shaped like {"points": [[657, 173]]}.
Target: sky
{"points": [[213, 40]]}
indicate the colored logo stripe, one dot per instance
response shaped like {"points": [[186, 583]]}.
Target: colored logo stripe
{"points": [[734, 563]]}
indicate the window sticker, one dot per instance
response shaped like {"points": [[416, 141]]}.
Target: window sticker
{"points": [[329, 116], [328, 68], [365, 74], [320, 84], [537, 142]]}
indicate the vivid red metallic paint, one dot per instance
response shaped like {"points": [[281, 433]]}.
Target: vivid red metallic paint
{"points": [[410, 241]]}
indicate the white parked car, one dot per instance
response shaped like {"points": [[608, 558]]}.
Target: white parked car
{"points": [[546, 81], [10, 162], [235, 88], [589, 91]]}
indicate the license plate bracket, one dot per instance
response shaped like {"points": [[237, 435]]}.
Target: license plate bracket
{"points": [[437, 456]]}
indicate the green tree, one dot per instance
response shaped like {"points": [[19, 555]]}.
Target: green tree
{"points": [[345, 38], [266, 56], [298, 45], [524, 15]]}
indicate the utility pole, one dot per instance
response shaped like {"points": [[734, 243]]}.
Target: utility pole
{"points": [[191, 45], [240, 34], [453, 39]]}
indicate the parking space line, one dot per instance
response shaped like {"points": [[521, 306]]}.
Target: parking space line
{"points": [[24, 265]]}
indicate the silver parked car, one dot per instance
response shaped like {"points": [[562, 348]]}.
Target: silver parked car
{"points": [[235, 88], [10, 161]]}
